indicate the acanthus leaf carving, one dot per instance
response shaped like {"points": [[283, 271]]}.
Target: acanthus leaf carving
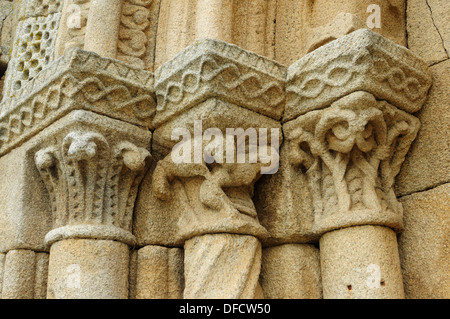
{"points": [[91, 181]]}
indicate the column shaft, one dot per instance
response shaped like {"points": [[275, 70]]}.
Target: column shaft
{"points": [[88, 269], [361, 262], [102, 30]]}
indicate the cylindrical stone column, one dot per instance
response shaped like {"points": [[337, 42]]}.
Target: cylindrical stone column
{"points": [[215, 261], [18, 275], [23, 274], [102, 29], [159, 273], [361, 262], [214, 19], [291, 271], [88, 269]]}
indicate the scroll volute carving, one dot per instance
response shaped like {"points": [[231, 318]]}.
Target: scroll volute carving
{"points": [[91, 180], [351, 153]]}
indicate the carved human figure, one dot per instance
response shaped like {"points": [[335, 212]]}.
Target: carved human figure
{"points": [[218, 223]]}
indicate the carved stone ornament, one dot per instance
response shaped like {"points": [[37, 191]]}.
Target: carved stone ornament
{"points": [[212, 68], [360, 61], [351, 153], [92, 176], [77, 80]]}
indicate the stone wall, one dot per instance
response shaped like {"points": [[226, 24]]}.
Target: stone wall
{"points": [[422, 184], [93, 205]]}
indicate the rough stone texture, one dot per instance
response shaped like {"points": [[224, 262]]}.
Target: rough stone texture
{"points": [[360, 61], [24, 217], [439, 10], [75, 274], [222, 266], [18, 275], [249, 24], [6, 9], [304, 25], [322, 12], [40, 279], [24, 275], [361, 262], [75, 142], [2, 268], [428, 29], [424, 244], [291, 271], [284, 204], [427, 164], [159, 273]]}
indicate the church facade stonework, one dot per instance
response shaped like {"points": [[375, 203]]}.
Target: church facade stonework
{"points": [[224, 149]]}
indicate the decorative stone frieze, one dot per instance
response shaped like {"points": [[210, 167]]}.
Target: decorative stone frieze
{"points": [[78, 80], [360, 61], [211, 68]]}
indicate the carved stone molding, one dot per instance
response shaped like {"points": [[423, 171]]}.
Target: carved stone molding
{"points": [[92, 167], [351, 153], [78, 80], [212, 68], [137, 33], [121, 29], [360, 61]]}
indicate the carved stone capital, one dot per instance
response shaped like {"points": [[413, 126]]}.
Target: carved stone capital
{"points": [[222, 87], [351, 153], [214, 195], [360, 61], [77, 80], [91, 167]]}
